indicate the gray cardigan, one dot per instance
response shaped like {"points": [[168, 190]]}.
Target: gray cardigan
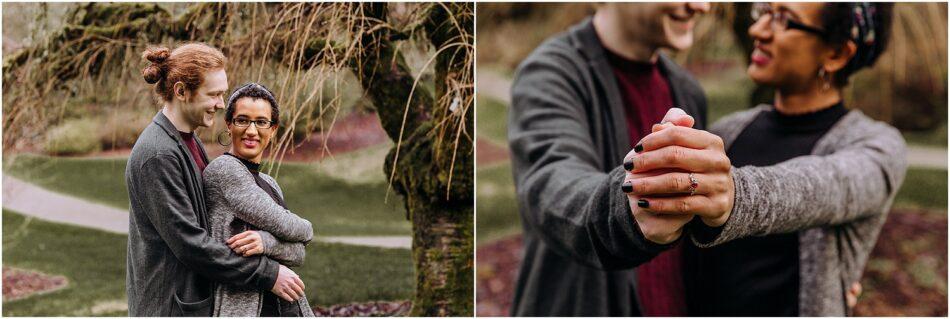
{"points": [[172, 261], [568, 137], [234, 201], [837, 199]]}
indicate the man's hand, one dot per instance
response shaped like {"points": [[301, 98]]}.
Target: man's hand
{"points": [[681, 151], [288, 285], [247, 244], [852, 295]]}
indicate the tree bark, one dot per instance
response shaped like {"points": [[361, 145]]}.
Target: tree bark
{"points": [[432, 162]]}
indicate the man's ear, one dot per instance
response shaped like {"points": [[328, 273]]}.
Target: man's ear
{"points": [[179, 91], [839, 58]]}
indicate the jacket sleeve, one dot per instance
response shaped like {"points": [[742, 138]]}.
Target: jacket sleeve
{"points": [[578, 210], [165, 201], [253, 205], [858, 180], [290, 254]]}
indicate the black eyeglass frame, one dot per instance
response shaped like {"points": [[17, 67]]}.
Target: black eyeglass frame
{"points": [[257, 123], [789, 23]]}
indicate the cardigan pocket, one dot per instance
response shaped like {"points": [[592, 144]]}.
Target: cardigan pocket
{"points": [[201, 308]]}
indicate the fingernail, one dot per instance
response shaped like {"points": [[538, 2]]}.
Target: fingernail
{"points": [[628, 165], [643, 203], [638, 148], [627, 186]]}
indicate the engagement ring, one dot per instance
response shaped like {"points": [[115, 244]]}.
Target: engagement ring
{"points": [[693, 184]]}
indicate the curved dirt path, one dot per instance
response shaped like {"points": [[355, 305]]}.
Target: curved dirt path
{"points": [[35, 201]]}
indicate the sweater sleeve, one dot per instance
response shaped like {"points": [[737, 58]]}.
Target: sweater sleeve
{"points": [[252, 204], [290, 254], [857, 180], [578, 210]]}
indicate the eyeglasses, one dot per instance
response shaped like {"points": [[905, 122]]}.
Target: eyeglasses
{"points": [[244, 122], [781, 20]]}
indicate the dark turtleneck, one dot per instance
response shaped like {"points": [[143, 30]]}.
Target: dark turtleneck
{"points": [[759, 276], [255, 170], [273, 306]]}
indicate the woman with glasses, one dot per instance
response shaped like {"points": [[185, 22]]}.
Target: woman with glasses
{"points": [[247, 208], [790, 196]]}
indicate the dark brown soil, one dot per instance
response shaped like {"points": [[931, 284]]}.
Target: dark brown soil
{"points": [[907, 274]]}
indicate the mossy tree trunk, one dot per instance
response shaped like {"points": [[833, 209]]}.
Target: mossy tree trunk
{"points": [[431, 165]]}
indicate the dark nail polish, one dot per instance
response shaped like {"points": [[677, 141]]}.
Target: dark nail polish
{"points": [[638, 148], [643, 203], [627, 186], [628, 165]]}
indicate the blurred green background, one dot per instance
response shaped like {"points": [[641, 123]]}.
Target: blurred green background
{"points": [[906, 88]]}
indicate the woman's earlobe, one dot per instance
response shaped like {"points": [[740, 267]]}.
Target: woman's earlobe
{"points": [[841, 57]]}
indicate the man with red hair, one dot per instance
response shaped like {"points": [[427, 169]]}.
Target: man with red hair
{"points": [[173, 262]]}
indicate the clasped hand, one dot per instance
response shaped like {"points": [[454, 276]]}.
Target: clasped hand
{"points": [[662, 193]]}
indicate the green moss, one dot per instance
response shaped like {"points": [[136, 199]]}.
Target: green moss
{"points": [[443, 254]]}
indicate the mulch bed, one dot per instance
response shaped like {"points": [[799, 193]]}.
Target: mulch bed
{"points": [[488, 152], [909, 277], [496, 269], [21, 283], [911, 241], [350, 133], [369, 309]]}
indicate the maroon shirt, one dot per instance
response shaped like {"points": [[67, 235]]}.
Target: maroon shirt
{"points": [[189, 139], [647, 97]]}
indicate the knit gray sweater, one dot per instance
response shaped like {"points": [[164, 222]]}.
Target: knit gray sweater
{"points": [[235, 199], [837, 199]]}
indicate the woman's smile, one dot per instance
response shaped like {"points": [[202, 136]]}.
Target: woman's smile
{"points": [[760, 57], [251, 128], [250, 143]]}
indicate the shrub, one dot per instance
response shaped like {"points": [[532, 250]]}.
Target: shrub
{"points": [[74, 137], [122, 129]]}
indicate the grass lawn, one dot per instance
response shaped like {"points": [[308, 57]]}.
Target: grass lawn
{"points": [[934, 138], [924, 188], [336, 206], [497, 206], [94, 263], [492, 119], [74, 176]]}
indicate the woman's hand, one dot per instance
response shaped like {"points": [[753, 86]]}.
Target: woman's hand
{"points": [[683, 150], [655, 227], [248, 243], [658, 228]]}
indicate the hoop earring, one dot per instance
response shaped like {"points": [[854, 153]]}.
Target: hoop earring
{"points": [[221, 138], [824, 77]]}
